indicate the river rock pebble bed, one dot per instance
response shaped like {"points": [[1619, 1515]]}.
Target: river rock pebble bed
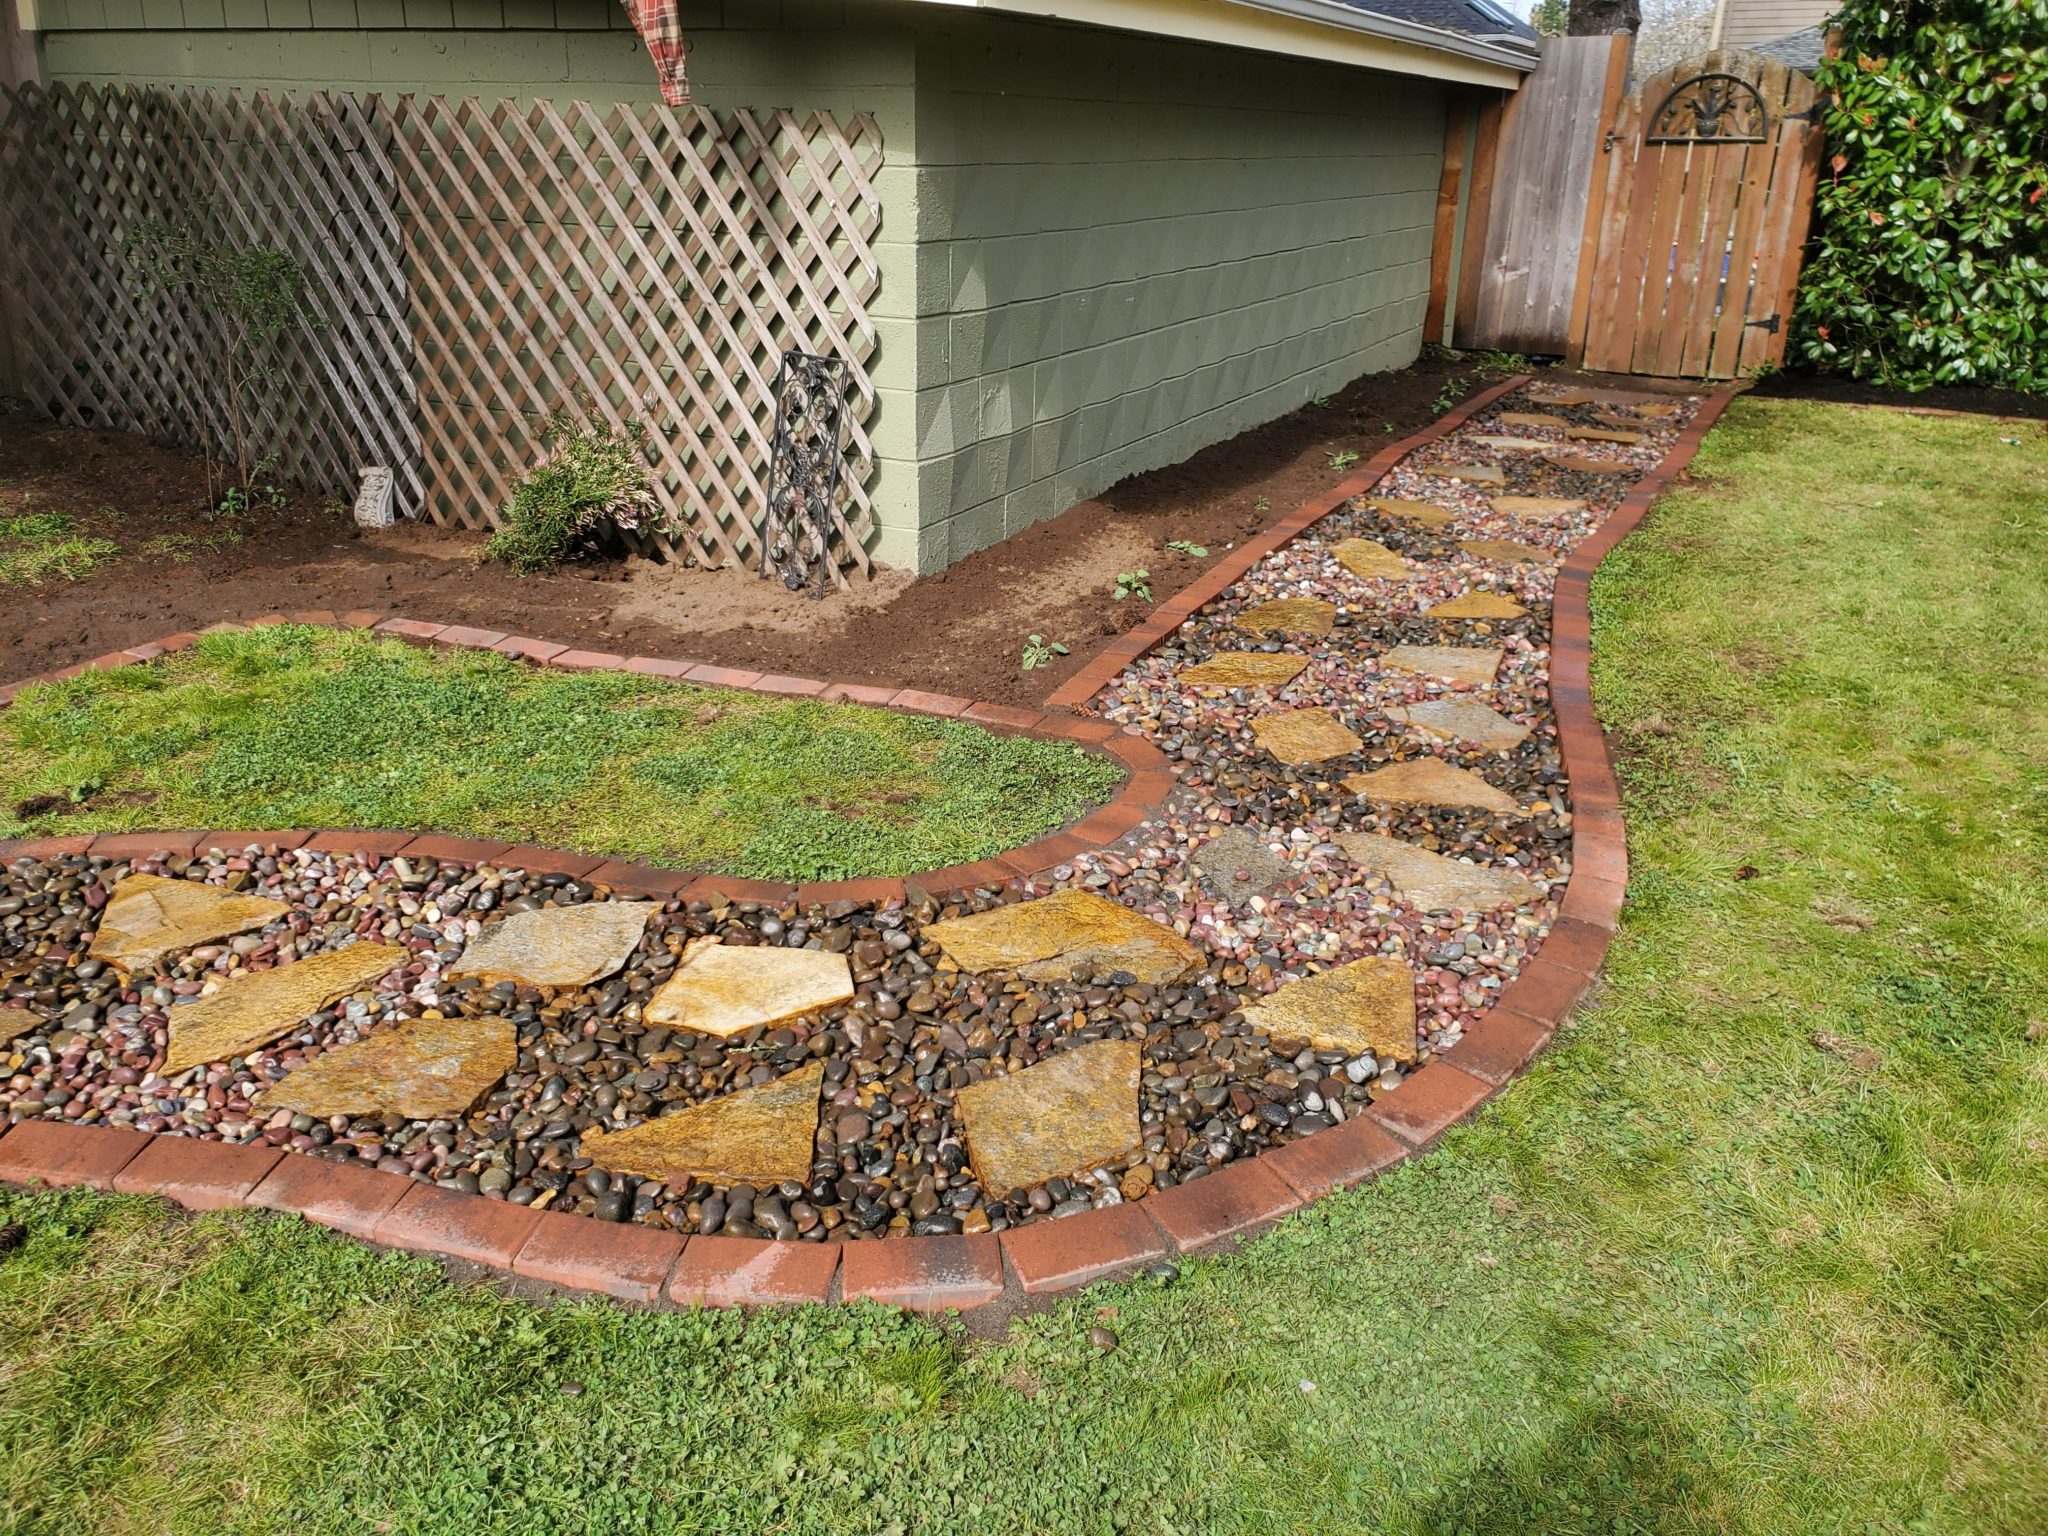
{"points": [[1267, 869]]}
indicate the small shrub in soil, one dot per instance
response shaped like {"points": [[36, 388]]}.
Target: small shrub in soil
{"points": [[592, 481]]}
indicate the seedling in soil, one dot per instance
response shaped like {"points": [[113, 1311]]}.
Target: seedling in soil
{"points": [[1187, 547], [1134, 584], [1321, 402], [1262, 503], [1039, 652], [1343, 460], [1454, 391]]}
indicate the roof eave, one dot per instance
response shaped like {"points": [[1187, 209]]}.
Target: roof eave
{"points": [[1310, 29], [1510, 55]]}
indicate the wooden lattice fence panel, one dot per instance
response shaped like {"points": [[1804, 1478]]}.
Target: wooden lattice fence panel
{"points": [[81, 167], [639, 262]]}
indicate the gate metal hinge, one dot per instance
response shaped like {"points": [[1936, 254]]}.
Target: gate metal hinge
{"points": [[1768, 323]]}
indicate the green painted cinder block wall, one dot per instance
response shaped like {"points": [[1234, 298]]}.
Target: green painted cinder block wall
{"points": [[1137, 247], [1100, 252]]}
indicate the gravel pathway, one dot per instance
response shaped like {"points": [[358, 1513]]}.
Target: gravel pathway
{"points": [[1249, 865]]}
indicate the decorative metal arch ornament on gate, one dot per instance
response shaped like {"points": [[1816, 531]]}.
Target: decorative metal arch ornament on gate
{"points": [[1712, 108], [803, 473]]}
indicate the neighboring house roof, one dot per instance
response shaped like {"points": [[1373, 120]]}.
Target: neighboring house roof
{"points": [[1801, 49]]}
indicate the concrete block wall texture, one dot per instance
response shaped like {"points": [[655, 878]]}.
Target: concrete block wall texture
{"points": [[1129, 248], [1100, 251]]}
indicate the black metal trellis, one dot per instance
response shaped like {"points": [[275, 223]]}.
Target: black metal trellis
{"points": [[803, 473], [1713, 108]]}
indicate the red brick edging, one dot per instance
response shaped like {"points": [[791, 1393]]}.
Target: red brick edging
{"points": [[927, 1273]]}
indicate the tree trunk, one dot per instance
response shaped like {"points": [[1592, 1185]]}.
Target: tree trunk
{"points": [[1599, 18]]}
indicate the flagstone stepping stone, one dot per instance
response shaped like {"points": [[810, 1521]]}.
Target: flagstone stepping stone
{"points": [[557, 946], [1504, 549], [429, 1068], [1605, 435], [148, 918], [1430, 781], [1473, 664], [1478, 474], [1579, 394], [1530, 419], [1304, 736], [1431, 881], [1375, 562], [1427, 513], [1540, 509], [1365, 1007], [1236, 865], [1071, 1112], [1289, 616], [1514, 444], [1461, 720], [16, 1022], [254, 1010], [1628, 421], [1245, 669], [761, 1135], [1477, 605], [1050, 938], [1578, 464], [727, 989]]}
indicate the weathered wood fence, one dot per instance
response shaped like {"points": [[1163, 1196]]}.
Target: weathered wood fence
{"points": [[1653, 231], [472, 267]]}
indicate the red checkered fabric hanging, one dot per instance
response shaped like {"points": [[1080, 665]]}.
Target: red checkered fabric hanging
{"points": [[661, 28]]}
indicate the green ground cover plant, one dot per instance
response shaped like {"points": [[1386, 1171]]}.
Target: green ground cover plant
{"points": [[1759, 1248], [291, 726], [41, 547]]}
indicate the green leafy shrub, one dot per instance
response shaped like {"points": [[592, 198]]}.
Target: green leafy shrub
{"points": [[592, 480], [1930, 263]]}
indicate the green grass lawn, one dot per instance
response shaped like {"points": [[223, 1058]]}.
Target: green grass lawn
{"points": [[1761, 1245], [290, 726]]}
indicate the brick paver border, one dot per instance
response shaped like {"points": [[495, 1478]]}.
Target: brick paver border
{"points": [[991, 1270]]}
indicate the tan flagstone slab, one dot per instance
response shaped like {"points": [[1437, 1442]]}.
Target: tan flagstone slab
{"points": [[557, 946], [1426, 513], [1530, 419], [1579, 464], [1071, 1112], [727, 989], [1462, 720], [1539, 509], [1474, 664], [1430, 781], [1366, 1006], [1304, 736], [148, 918], [1580, 394], [1049, 938], [1245, 669], [1478, 474], [16, 1022], [1630, 420], [1514, 444], [760, 1135], [1477, 605], [429, 1068], [1373, 561], [253, 1010], [1504, 549], [1605, 435], [1433, 882], [1289, 616]]}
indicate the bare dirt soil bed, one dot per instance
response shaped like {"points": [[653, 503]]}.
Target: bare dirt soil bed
{"points": [[1964, 400], [960, 632]]}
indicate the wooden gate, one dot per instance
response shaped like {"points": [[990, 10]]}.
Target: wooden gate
{"points": [[1708, 189]]}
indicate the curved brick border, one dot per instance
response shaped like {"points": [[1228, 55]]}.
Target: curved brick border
{"points": [[987, 1270]]}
